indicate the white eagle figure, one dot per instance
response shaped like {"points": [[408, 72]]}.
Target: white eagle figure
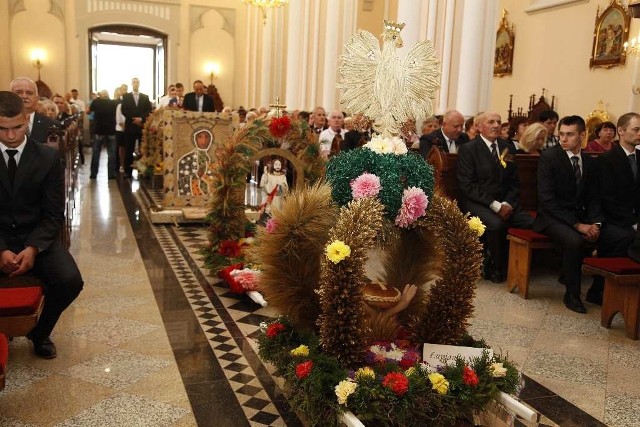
{"points": [[382, 86]]}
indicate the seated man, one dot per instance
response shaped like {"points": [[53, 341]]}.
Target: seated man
{"points": [[490, 189], [569, 203], [31, 216], [620, 192], [448, 138]]}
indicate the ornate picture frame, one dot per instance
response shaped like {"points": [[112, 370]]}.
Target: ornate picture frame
{"points": [[505, 37], [188, 154], [609, 35]]}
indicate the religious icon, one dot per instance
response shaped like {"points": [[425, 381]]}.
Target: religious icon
{"points": [[609, 36], [194, 172], [505, 37]]}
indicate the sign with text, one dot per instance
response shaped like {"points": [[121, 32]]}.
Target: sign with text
{"points": [[438, 354]]}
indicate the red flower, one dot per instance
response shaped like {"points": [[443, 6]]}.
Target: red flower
{"points": [[280, 126], [469, 377], [274, 329], [304, 369], [397, 382], [229, 248], [225, 274], [406, 362]]}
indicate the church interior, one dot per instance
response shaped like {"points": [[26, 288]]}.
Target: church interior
{"points": [[155, 340]]}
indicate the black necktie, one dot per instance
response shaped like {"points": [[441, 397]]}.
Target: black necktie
{"points": [[634, 165], [494, 152], [12, 166], [576, 169]]}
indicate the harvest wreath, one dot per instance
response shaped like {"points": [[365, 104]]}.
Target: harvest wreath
{"points": [[312, 260]]}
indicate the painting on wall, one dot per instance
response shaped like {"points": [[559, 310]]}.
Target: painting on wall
{"points": [[609, 36], [188, 153], [503, 61]]}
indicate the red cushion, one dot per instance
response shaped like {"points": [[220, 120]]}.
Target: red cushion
{"points": [[614, 265], [4, 352], [528, 235], [19, 301]]}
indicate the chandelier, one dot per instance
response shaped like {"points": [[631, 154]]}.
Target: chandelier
{"points": [[264, 5]]}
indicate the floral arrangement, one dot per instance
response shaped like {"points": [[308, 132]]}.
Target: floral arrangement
{"points": [[226, 218], [384, 169], [227, 253], [392, 387], [151, 145]]}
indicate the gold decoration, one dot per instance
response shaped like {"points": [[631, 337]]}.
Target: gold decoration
{"points": [[378, 84]]}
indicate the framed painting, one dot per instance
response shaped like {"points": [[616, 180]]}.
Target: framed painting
{"points": [[609, 36], [188, 153], [505, 37]]}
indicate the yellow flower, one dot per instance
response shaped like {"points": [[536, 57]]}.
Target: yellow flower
{"points": [[410, 371], [502, 159], [476, 225], [301, 350], [337, 251], [344, 389], [439, 383], [365, 372], [497, 370]]}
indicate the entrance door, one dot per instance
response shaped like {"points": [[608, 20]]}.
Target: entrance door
{"points": [[120, 53]]}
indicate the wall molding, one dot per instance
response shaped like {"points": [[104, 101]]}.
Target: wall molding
{"points": [[545, 5]]}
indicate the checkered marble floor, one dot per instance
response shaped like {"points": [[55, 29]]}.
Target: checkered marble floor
{"points": [[229, 322]]}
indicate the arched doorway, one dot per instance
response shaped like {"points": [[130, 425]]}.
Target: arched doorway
{"points": [[120, 52]]}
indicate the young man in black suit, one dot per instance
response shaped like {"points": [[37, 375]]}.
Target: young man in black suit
{"points": [[448, 138], [31, 216], [490, 189], [136, 107], [39, 124], [569, 209], [198, 100], [620, 192]]}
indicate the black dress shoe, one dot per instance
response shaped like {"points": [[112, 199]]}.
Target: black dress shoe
{"points": [[594, 297], [44, 348], [574, 303]]}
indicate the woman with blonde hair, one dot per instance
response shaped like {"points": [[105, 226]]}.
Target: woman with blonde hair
{"points": [[533, 139]]}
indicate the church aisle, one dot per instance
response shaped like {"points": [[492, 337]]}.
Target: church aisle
{"points": [[115, 366]]}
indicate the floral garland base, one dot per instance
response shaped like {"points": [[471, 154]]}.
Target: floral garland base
{"points": [[393, 388]]}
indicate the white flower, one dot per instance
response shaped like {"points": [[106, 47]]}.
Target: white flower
{"points": [[399, 147], [497, 370], [344, 389], [380, 145]]}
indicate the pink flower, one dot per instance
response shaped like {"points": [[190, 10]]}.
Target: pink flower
{"points": [[271, 225], [248, 279], [366, 185], [414, 205]]}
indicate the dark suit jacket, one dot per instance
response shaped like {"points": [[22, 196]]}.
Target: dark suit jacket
{"points": [[481, 179], [131, 110], [32, 210], [437, 138], [619, 191], [41, 125], [191, 104], [559, 198]]}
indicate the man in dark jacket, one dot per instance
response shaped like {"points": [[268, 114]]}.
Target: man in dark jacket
{"points": [[104, 119]]}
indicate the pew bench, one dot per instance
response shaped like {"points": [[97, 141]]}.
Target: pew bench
{"points": [[21, 302], [621, 291], [522, 243]]}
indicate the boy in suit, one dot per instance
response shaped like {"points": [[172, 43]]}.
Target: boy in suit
{"points": [[31, 216], [569, 203]]}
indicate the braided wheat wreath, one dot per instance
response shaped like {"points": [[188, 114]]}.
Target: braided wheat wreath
{"points": [[319, 295]]}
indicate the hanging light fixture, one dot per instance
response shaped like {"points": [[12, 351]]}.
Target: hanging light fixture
{"points": [[264, 5]]}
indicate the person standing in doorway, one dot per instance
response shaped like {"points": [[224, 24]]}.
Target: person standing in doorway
{"points": [[136, 107]]}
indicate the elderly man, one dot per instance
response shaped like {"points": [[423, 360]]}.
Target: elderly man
{"points": [[39, 124], [31, 216], [136, 107], [490, 189], [198, 100], [319, 120], [448, 138], [331, 138]]}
